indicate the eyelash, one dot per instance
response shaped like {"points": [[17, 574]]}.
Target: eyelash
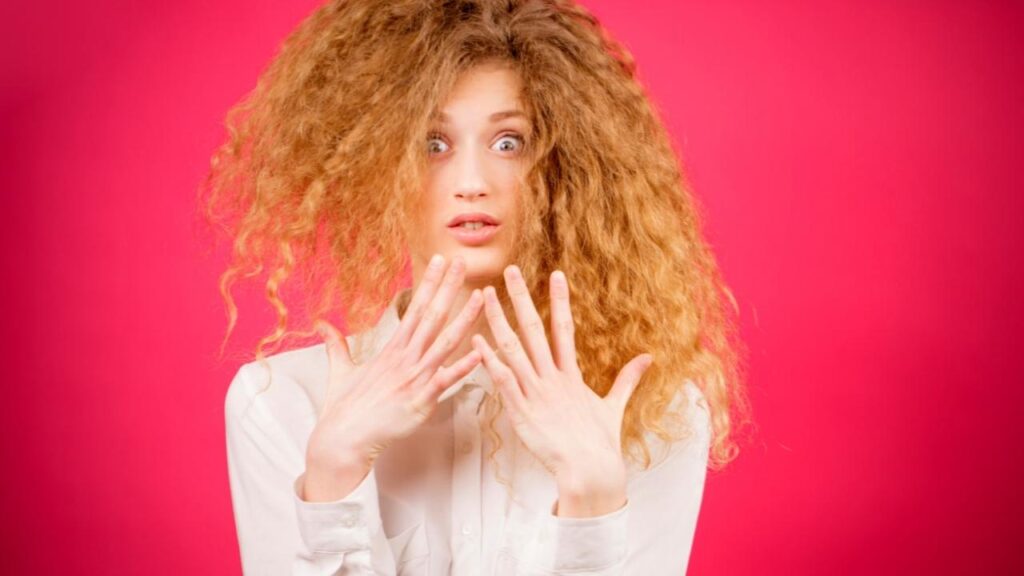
{"points": [[520, 137]]}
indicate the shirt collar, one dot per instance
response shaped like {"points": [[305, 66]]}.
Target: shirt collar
{"points": [[478, 378]]}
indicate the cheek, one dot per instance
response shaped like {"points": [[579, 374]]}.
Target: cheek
{"points": [[431, 202], [422, 229]]}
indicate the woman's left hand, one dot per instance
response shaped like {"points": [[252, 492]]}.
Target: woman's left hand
{"points": [[574, 432]]}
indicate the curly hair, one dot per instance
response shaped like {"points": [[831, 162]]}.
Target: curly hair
{"points": [[299, 188]]}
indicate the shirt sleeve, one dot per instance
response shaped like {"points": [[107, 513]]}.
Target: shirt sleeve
{"points": [[278, 531], [651, 534]]}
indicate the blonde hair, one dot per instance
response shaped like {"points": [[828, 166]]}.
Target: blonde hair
{"points": [[298, 186]]}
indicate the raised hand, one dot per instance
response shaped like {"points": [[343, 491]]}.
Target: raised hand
{"points": [[574, 432], [367, 406]]}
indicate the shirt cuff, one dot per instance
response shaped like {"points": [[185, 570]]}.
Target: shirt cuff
{"points": [[568, 544], [342, 525]]}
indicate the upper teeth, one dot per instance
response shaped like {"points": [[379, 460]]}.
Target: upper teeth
{"points": [[472, 225]]}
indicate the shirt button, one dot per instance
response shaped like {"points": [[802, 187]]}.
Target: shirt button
{"points": [[466, 447], [467, 529]]}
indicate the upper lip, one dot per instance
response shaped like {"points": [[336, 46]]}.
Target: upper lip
{"points": [[473, 217]]}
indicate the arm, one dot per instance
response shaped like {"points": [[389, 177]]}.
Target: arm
{"points": [[278, 531], [651, 534]]}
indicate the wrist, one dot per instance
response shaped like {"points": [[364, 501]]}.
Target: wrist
{"points": [[589, 502], [333, 472], [323, 485], [335, 476], [327, 455], [592, 491]]}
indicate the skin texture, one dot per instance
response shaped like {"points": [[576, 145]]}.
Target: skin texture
{"points": [[474, 165], [574, 432], [474, 162], [370, 404]]}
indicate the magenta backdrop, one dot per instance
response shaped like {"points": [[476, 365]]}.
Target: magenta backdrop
{"points": [[858, 163]]}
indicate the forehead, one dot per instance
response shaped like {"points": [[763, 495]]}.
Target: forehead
{"points": [[487, 93]]}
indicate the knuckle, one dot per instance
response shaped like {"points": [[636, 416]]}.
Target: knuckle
{"points": [[431, 315], [504, 376], [415, 309], [444, 341], [408, 374], [462, 324], [509, 345], [534, 325], [469, 313], [420, 409], [442, 378], [567, 326]]}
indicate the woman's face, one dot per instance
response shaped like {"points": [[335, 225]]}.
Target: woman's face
{"points": [[475, 155]]}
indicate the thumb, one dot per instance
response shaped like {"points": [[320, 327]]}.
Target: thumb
{"points": [[338, 356], [627, 380]]}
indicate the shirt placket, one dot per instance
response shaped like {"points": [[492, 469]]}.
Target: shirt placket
{"points": [[466, 483]]}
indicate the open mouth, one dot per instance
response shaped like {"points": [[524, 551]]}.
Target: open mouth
{"points": [[474, 233]]}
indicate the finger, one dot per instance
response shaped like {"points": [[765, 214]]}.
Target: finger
{"points": [[530, 323], [422, 296], [454, 332], [436, 314], [627, 380], [445, 377], [338, 358], [337, 348], [563, 328], [503, 378], [507, 341]]}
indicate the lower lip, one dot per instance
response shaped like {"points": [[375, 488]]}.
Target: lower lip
{"points": [[474, 237]]}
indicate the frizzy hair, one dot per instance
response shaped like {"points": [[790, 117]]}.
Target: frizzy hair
{"points": [[315, 186]]}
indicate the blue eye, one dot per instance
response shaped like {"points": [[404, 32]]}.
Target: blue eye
{"points": [[515, 137], [437, 145]]}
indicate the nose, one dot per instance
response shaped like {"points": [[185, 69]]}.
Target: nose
{"points": [[470, 175]]}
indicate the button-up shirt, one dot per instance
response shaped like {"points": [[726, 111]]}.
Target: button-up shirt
{"points": [[434, 503]]}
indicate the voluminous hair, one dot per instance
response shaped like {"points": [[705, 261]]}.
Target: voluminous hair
{"points": [[316, 184]]}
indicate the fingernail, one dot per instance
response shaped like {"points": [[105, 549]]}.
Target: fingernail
{"points": [[321, 328], [436, 260]]}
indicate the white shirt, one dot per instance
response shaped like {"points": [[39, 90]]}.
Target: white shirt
{"points": [[432, 505]]}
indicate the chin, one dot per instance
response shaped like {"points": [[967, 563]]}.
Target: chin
{"points": [[483, 265]]}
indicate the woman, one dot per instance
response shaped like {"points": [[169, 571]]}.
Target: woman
{"points": [[505, 153]]}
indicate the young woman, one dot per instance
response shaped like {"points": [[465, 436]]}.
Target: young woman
{"points": [[545, 395]]}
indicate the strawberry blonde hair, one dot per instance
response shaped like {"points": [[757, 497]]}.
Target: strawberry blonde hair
{"points": [[316, 186]]}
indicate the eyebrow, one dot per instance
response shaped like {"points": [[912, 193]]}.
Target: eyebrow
{"points": [[493, 118]]}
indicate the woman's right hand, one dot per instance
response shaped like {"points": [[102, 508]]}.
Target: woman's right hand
{"points": [[369, 405]]}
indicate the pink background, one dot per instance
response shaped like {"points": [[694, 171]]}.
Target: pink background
{"points": [[858, 165]]}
